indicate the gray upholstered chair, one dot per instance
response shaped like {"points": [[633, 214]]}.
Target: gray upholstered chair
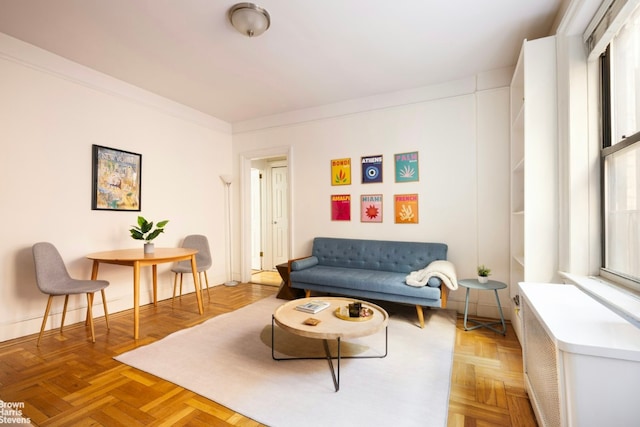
{"points": [[53, 279], [203, 260]]}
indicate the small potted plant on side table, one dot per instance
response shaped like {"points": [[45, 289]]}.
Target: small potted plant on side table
{"points": [[483, 274], [145, 231]]}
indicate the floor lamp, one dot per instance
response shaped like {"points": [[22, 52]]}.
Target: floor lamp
{"points": [[227, 182]]}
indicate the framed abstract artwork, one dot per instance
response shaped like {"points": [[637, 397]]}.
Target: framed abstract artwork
{"points": [[116, 179]]}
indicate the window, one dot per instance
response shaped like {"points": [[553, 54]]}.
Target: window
{"points": [[620, 72]]}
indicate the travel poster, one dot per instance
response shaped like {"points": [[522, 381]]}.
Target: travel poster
{"points": [[371, 208], [341, 172], [406, 208], [371, 169], [406, 166], [341, 207]]}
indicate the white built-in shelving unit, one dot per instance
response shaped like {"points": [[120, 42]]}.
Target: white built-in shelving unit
{"points": [[534, 170]]}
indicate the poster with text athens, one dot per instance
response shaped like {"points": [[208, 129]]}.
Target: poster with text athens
{"points": [[371, 169]]}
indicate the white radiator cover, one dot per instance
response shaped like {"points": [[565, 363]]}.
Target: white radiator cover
{"points": [[581, 360]]}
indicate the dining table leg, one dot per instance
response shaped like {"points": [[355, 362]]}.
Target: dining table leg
{"points": [[196, 282], [154, 268], [94, 276], [136, 299]]}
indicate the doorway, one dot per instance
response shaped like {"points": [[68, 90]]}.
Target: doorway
{"points": [[269, 217]]}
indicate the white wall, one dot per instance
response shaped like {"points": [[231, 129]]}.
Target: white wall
{"points": [[51, 112], [463, 146]]}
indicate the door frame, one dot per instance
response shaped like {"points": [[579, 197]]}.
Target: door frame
{"points": [[245, 202]]}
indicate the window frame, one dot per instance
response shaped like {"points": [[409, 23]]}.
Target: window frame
{"points": [[608, 148]]}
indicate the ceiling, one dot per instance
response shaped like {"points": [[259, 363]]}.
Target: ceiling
{"points": [[316, 52]]}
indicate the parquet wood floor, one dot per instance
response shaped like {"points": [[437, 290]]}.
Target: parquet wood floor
{"points": [[70, 381]]}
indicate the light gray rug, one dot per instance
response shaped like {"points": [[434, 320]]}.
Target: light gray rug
{"points": [[228, 359]]}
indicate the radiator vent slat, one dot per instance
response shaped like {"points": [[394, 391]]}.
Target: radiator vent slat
{"points": [[541, 367]]}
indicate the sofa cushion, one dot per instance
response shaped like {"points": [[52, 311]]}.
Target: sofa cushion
{"points": [[303, 263], [383, 282], [380, 255], [434, 282]]}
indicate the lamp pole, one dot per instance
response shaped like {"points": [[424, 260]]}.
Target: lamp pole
{"points": [[227, 182]]}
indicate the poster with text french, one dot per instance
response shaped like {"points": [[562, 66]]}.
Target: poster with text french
{"points": [[341, 172], [406, 166], [341, 207], [406, 208]]}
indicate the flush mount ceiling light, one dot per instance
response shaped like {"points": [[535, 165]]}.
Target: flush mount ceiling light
{"points": [[250, 19]]}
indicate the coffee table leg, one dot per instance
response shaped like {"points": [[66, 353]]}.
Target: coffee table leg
{"points": [[334, 375]]}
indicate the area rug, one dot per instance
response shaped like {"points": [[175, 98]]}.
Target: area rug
{"points": [[228, 359]]}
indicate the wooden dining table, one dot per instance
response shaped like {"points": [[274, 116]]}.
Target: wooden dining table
{"points": [[136, 258]]}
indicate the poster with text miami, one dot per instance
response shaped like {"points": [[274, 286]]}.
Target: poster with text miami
{"points": [[406, 166], [371, 208]]}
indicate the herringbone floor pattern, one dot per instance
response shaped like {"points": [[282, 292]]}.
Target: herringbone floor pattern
{"points": [[70, 381]]}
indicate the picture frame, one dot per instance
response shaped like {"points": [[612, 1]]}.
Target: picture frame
{"points": [[341, 171], [371, 208], [406, 208], [116, 179], [407, 167], [371, 169], [341, 207]]}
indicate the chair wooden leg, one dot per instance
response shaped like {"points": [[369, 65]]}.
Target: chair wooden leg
{"points": [[90, 315], [420, 315], [44, 319], [64, 312], [180, 284], [175, 283], [104, 304], [206, 279]]}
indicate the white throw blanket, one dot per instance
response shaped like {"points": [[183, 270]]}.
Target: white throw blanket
{"points": [[444, 270]]}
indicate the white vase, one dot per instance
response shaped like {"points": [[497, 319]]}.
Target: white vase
{"points": [[148, 248], [483, 279]]}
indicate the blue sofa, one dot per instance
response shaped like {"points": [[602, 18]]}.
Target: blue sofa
{"points": [[371, 269]]}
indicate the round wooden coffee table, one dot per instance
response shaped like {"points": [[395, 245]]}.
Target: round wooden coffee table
{"points": [[331, 325]]}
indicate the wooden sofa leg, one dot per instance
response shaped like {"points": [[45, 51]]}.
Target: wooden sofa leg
{"points": [[307, 293], [420, 315]]}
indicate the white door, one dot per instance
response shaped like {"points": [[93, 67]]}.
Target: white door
{"points": [[280, 221]]}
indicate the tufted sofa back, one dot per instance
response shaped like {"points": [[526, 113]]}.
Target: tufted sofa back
{"points": [[383, 255]]}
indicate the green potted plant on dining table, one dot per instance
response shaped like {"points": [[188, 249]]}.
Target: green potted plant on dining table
{"points": [[145, 231]]}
